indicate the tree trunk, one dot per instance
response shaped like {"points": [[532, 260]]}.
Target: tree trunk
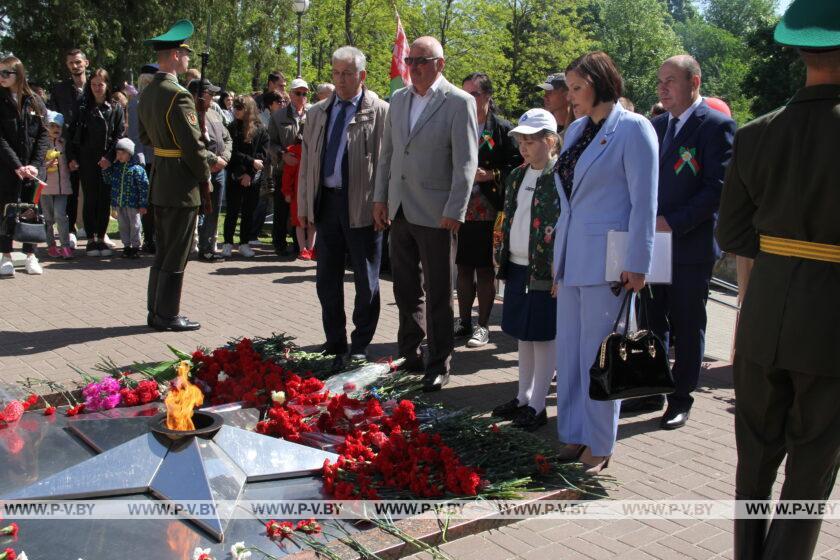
{"points": [[348, 20]]}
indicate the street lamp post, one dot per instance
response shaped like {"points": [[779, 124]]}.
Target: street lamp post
{"points": [[299, 7]]}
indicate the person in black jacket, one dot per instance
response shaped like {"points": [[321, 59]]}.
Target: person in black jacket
{"points": [[65, 98], [250, 152], [92, 144], [23, 143], [497, 155]]}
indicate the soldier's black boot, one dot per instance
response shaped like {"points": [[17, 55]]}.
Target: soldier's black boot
{"points": [[749, 536], [151, 295], [169, 303]]}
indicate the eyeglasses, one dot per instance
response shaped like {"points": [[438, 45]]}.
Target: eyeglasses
{"points": [[7, 73], [299, 93], [419, 60]]}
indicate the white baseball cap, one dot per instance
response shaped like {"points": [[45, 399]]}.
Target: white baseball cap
{"points": [[299, 83], [535, 120]]}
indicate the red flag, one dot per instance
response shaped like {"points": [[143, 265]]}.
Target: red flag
{"points": [[399, 71]]}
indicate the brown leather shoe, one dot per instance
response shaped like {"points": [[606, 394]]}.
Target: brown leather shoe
{"points": [[571, 452], [594, 464]]}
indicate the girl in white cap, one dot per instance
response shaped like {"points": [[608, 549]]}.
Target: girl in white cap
{"points": [[525, 263]]}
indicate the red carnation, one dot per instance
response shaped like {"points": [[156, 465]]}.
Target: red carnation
{"points": [[8, 554], [11, 530], [49, 411], [279, 530], [308, 526]]}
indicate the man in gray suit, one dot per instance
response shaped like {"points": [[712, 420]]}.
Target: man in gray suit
{"points": [[427, 165]]}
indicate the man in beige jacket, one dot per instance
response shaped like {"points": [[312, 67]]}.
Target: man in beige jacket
{"points": [[341, 142]]}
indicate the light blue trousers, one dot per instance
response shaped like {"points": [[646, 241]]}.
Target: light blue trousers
{"points": [[585, 315]]}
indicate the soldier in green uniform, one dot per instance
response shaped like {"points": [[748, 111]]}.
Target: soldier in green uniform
{"points": [[780, 206], [180, 181]]}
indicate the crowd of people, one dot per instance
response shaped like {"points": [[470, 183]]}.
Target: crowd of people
{"points": [[464, 194]]}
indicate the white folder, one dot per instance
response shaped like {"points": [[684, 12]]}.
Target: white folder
{"points": [[661, 264]]}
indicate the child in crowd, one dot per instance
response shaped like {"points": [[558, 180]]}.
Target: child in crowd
{"points": [[129, 195], [57, 189], [289, 187], [525, 259]]}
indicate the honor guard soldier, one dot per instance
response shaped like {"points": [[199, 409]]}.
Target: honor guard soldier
{"points": [[779, 206], [180, 182]]}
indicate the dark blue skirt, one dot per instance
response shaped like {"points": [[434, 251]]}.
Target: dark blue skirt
{"points": [[528, 316]]}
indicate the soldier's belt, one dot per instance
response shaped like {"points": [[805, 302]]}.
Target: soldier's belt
{"points": [[801, 249], [163, 152]]}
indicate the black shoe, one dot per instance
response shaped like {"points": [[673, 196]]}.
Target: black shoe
{"points": [[413, 365], [654, 403], [135, 253], [463, 328], [149, 248], [178, 323], [529, 420], [674, 418], [434, 381], [339, 362], [211, 257], [508, 410], [126, 252]]}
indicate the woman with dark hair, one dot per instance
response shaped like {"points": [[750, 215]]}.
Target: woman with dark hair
{"points": [[497, 155], [93, 137], [606, 176], [226, 104], [250, 151], [23, 143]]}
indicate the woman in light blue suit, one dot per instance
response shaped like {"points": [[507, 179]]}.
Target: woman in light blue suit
{"points": [[606, 176]]}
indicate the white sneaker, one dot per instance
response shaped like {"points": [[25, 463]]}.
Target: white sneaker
{"points": [[246, 251], [33, 266], [227, 250], [7, 268], [110, 244], [106, 251], [72, 242]]}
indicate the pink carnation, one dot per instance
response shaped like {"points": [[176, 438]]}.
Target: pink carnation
{"points": [[103, 395]]}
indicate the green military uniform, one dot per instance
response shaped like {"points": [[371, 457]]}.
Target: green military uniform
{"points": [[169, 122], [780, 206]]}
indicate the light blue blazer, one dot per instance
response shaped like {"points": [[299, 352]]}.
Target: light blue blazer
{"points": [[615, 188]]}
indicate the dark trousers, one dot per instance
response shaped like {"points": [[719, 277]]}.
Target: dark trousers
{"points": [[279, 228], [96, 211], [175, 228], [421, 264], [148, 219], [679, 309], [334, 240], [208, 225], [12, 190], [261, 211], [777, 413], [73, 201], [240, 201]]}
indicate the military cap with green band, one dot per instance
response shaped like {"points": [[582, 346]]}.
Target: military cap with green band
{"points": [[175, 38], [810, 25]]}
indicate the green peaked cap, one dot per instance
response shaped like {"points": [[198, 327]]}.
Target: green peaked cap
{"points": [[810, 24], [174, 38]]}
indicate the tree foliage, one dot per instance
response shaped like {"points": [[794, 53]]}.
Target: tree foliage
{"points": [[516, 42]]}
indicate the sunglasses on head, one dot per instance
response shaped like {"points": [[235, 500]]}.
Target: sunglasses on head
{"points": [[419, 60], [7, 73]]}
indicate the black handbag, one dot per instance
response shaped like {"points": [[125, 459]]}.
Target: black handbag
{"points": [[24, 223], [630, 365]]}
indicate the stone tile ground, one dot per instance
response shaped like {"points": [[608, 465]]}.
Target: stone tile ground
{"points": [[82, 310]]}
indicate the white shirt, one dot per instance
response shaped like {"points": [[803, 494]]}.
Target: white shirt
{"points": [[520, 228], [333, 180], [418, 102], [685, 114]]}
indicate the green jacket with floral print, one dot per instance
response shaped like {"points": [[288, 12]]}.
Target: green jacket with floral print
{"points": [[545, 209]]}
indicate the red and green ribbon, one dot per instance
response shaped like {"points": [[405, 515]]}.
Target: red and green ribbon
{"points": [[687, 157], [488, 140]]}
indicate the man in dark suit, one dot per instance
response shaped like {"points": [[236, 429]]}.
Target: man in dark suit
{"points": [[695, 144]]}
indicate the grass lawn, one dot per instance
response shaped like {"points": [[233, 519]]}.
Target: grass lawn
{"points": [[265, 235]]}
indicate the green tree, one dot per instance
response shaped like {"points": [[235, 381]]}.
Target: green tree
{"points": [[740, 17], [724, 60], [775, 73], [637, 34]]}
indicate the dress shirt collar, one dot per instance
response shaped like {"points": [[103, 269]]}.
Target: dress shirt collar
{"points": [[354, 101], [687, 113]]}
